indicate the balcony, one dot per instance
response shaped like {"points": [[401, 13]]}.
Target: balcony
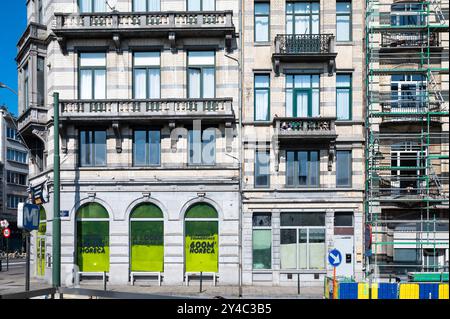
{"points": [[33, 117], [305, 48], [118, 25], [409, 40], [143, 110], [305, 128]]}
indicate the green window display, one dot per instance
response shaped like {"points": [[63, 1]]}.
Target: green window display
{"points": [[92, 238], [40, 245], [201, 239], [147, 238]]}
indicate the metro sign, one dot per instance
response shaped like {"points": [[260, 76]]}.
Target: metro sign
{"points": [[28, 216]]}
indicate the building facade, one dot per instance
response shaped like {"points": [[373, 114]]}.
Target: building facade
{"points": [[217, 136]]}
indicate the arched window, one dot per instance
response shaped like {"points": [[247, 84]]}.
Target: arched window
{"points": [[147, 238], [92, 231], [40, 244], [201, 239]]}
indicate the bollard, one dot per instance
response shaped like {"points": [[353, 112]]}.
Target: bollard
{"points": [[298, 284], [201, 281]]}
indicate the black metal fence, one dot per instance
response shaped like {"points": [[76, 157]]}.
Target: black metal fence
{"points": [[304, 43]]}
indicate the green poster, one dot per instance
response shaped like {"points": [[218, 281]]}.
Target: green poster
{"points": [[40, 256], [147, 246], [202, 246], [93, 246]]}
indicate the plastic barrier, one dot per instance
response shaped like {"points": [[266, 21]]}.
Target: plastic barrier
{"points": [[387, 291], [409, 291], [348, 290], [363, 290], [443, 291], [428, 291]]}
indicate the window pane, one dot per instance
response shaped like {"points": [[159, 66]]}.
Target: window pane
{"points": [[343, 104], [100, 148], [146, 59], [100, 84], [85, 5], [343, 7], [302, 219], [314, 169], [40, 81], [154, 138], [343, 80], [288, 249], [208, 5], [290, 169], [154, 83], [140, 79], [209, 147], [343, 168], [194, 83], [343, 219], [261, 29], [201, 58], [195, 147], [302, 168], [262, 8], [208, 83], [262, 219], [139, 147], [85, 84], [139, 5], [92, 59], [262, 172], [194, 5], [342, 28], [302, 249], [316, 248], [262, 249], [99, 6], [85, 148], [262, 105], [154, 5]]}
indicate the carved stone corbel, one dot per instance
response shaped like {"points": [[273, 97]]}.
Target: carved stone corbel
{"points": [[228, 41], [331, 155], [277, 66], [331, 67], [172, 41], [62, 44], [117, 42], [41, 134], [229, 136], [118, 134], [63, 134]]}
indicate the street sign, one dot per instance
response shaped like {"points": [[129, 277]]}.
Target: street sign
{"points": [[6, 233], [28, 216], [335, 257], [4, 223]]}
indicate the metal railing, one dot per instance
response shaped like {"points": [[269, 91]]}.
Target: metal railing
{"points": [[304, 43], [305, 126], [126, 20], [409, 39]]}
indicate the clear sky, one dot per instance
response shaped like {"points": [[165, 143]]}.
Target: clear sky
{"points": [[13, 21]]}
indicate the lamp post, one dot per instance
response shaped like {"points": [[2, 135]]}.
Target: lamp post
{"points": [[4, 86]]}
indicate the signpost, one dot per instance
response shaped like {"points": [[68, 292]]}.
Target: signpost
{"points": [[28, 219], [335, 259], [7, 234]]}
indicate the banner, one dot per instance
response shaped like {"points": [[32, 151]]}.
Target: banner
{"points": [[202, 246], [93, 246], [39, 193], [147, 246]]}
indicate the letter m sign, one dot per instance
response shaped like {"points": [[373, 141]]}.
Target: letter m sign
{"points": [[28, 216]]}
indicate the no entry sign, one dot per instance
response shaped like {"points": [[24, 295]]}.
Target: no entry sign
{"points": [[6, 232]]}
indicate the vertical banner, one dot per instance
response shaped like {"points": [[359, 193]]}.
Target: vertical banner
{"points": [[202, 246], [147, 246], [93, 245]]}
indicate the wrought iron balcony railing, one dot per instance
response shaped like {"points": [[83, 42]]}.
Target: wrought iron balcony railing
{"points": [[146, 109], [305, 127], [409, 39], [305, 48], [154, 24]]}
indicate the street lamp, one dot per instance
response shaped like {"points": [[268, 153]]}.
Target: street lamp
{"points": [[4, 86]]}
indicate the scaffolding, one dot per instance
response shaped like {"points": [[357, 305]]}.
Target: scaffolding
{"points": [[407, 141]]}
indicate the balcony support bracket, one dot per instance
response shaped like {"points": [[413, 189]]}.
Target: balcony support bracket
{"points": [[228, 41], [117, 42], [276, 62], [331, 155], [331, 67], [118, 135], [63, 134], [62, 44], [172, 41]]}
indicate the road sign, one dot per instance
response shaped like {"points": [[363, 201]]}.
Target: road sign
{"points": [[6, 233], [28, 216], [335, 257], [4, 223]]}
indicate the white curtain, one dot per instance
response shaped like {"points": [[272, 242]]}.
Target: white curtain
{"points": [[139, 5], [100, 84], [343, 28], [154, 5], [85, 6], [100, 6], [289, 24], [262, 105], [85, 84], [194, 83], [343, 104], [315, 103], [261, 29], [194, 5], [154, 83], [315, 24], [302, 104], [288, 256], [289, 104], [302, 25], [208, 5], [208, 83], [139, 84]]}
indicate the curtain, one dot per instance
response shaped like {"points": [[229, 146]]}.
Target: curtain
{"points": [[154, 140], [343, 104], [261, 28], [315, 24], [194, 83], [154, 83], [289, 104], [262, 105], [154, 5], [139, 148], [315, 103], [139, 84], [139, 5], [85, 84], [289, 24], [85, 6], [99, 6], [100, 84], [194, 5], [208, 5], [208, 83], [302, 103], [302, 25], [343, 28]]}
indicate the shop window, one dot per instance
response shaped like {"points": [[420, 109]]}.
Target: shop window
{"points": [[262, 241], [147, 238], [92, 234], [40, 244], [344, 219], [201, 239]]}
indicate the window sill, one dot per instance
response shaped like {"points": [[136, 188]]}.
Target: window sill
{"points": [[262, 44], [21, 163], [349, 122], [345, 43]]}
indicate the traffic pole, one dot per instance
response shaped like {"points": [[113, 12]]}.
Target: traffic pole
{"points": [[56, 225], [334, 283], [7, 253], [27, 265]]}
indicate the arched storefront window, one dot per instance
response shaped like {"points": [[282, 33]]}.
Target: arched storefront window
{"points": [[40, 243], [147, 238], [92, 231], [201, 239]]}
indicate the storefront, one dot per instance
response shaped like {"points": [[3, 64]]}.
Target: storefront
{"points": [[40, 243]]}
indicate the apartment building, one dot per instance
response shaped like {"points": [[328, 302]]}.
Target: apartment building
{"points": [[407, 151], [13, 174], [148, 97]]}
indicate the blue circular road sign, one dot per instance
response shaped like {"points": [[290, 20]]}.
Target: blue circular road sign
{"points": [[335, 257]]}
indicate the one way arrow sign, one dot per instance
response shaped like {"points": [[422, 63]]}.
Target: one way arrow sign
{"points": [[335, 257]]}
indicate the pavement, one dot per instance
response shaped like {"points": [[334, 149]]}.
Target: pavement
{"points": [[13, 280]]}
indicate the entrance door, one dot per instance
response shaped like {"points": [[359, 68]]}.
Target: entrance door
{"points": [[344, 243]]}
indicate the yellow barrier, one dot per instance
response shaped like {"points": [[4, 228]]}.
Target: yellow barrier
{"points": [[409, 291], [443, 291], [363, 290]]}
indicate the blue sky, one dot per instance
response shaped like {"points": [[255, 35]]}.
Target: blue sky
{"points": [[12, 24]]}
